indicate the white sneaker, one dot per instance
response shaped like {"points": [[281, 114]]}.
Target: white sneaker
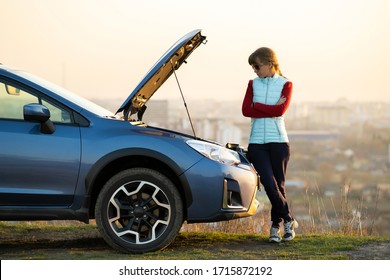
{"points": [[274, 236], [289, 233]]}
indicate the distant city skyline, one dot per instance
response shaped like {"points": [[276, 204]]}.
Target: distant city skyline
{"points": [[192, 103]]}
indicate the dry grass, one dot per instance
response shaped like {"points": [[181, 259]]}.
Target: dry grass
{"points": [[322, 215]]}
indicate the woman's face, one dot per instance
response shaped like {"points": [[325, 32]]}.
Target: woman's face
{"points": [[263, 70]]}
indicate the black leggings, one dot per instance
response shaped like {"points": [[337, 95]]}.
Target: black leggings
{"points": [[270, 161]]}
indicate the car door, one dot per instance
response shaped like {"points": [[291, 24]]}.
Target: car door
{"points": [[36, 169]]}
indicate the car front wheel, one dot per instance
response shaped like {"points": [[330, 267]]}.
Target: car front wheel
{"points": [[139, 210]]}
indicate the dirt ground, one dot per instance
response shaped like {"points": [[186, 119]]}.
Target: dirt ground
{"points": [[374, 251]]}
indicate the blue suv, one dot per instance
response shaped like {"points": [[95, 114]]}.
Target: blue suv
{"points": [[65, 158]]}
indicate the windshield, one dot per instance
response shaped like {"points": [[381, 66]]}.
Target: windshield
{"points": [[78, 100]]}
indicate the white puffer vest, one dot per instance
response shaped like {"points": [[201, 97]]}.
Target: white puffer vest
{"points": [[268, 130]]}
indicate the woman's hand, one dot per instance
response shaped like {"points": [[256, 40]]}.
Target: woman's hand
{"points": [[281, 100]]}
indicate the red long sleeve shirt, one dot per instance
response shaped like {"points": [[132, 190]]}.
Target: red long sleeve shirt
{"points": [[260, 110]]}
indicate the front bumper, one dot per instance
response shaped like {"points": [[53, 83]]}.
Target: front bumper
{"points": [[221, 192]]}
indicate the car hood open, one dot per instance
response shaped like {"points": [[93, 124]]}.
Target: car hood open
{"points": [[160, 72]]}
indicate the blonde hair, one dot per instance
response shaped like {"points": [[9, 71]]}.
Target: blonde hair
{"points": [[265, 55]]}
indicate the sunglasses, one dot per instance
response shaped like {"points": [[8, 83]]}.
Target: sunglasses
{"points": [[257, 66]]}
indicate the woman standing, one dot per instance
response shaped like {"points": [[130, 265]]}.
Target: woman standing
{"points": [[266, 100]]}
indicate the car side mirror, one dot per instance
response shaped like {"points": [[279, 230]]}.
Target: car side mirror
{"points": [[39, 113]]}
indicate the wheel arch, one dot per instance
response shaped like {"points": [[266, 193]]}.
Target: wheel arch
{"points": [[120, 160]]}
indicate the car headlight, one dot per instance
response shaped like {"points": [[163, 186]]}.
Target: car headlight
{"points": [[215, 152]]}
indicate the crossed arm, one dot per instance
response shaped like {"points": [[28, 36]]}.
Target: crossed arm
{"points": [[260, 110]]}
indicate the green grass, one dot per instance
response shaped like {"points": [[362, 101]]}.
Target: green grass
{"points": [[42, 240]]}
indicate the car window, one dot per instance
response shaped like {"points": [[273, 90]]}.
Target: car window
{"points": [[57, 114], [12, 100]]}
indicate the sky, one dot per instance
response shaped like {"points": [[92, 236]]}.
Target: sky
{"points": [[331, 50]]}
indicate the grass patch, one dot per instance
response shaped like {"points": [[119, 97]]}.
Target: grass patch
{"points": [[77, 241]]}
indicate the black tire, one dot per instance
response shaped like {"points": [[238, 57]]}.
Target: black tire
{"points": [[139, 210]]}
